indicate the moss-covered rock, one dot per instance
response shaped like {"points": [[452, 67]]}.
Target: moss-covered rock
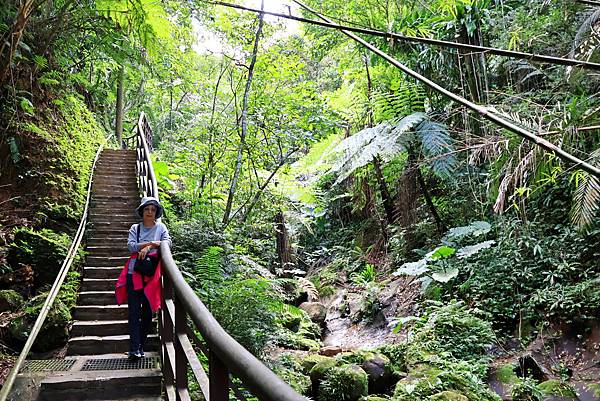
{"points": [[54, 332], [373, 398], [426, 380], [298, 331], [10, 300], [310, 361], [380, 373], [43, 250], [557, 388], [448, 396], [344, 383], [320, 370]]}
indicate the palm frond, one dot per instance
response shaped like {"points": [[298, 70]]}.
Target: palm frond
{"points": [[515, 178], [586, 199], [587, 36]]}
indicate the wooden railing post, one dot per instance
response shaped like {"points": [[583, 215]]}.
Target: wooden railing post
{"points": [[166, 333], [218, 378], [181, 379]]}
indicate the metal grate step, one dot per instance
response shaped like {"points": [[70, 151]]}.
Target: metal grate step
{"points": [[47, 365], [120, 364]]}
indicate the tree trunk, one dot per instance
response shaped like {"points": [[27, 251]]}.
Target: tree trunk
{"points": [[119, 109], [438, 221], [244, 123], [11, 39], [264, 185], [285, 253], [388, 204]]}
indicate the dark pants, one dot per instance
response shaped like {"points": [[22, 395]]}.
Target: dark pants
{"points": [[140, 316]]}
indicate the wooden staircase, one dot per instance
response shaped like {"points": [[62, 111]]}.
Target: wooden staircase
{"points": [[99, 336]]}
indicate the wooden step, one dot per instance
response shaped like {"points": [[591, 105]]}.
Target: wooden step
{"points": [[94, 345], [83, 328], [100, 312]]}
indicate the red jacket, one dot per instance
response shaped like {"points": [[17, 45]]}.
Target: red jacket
{"points": [[151, 285]]}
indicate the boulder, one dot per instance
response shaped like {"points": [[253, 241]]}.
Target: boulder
{"points": [[346, 382], [320, 370], [10, 300], [448, 396], [315, 310], [380, 373], [310, 361]]}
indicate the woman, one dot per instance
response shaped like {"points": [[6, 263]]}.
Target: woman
{"points": [[142, 292]]}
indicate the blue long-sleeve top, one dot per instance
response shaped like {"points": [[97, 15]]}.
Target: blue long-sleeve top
{"points": [[157, 232]]}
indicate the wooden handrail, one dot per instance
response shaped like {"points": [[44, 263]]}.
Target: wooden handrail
{"points": [[179, 302], [60, 278]]}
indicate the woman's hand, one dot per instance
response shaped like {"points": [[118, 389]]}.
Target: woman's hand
{"points": [[142, 254]]}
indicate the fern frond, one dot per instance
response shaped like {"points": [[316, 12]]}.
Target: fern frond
{"points": [[208, 266], [586, 199], [437, 145]]}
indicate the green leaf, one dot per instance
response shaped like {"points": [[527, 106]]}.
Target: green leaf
{"points": [[26, 106], [445, 276], [441, 252]]}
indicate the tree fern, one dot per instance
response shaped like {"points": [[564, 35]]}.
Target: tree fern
{"points": [[437, 147], [208, 266], [386, 141], [587, 195]]}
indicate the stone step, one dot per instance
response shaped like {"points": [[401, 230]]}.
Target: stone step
{"points": [[106, 250], [96, 298], [115, 191], [126, 384], [100, 312], [113, 240], [102, 272], [115, 186], [93, 284], [83, 328], [106, 261], [107, 209], [125, 225], [108, 233], [111, 215], [94, 345], [112, 179]]}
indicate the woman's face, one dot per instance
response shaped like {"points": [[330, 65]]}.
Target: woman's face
{"points": [[150, 212]]}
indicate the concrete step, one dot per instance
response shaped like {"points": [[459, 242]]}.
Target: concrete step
{"points": [[115, 179], [115, 186], [100, 312], [96, 298], [106, 261], [127, 384], [94, 345], [102, 272], [99, 328]]}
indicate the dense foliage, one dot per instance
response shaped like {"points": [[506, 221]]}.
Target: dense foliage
{"points": [[297, 166]]}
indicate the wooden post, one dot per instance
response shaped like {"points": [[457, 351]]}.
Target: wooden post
{"points": [[219, 378], [181, 379], [166, 334]]}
